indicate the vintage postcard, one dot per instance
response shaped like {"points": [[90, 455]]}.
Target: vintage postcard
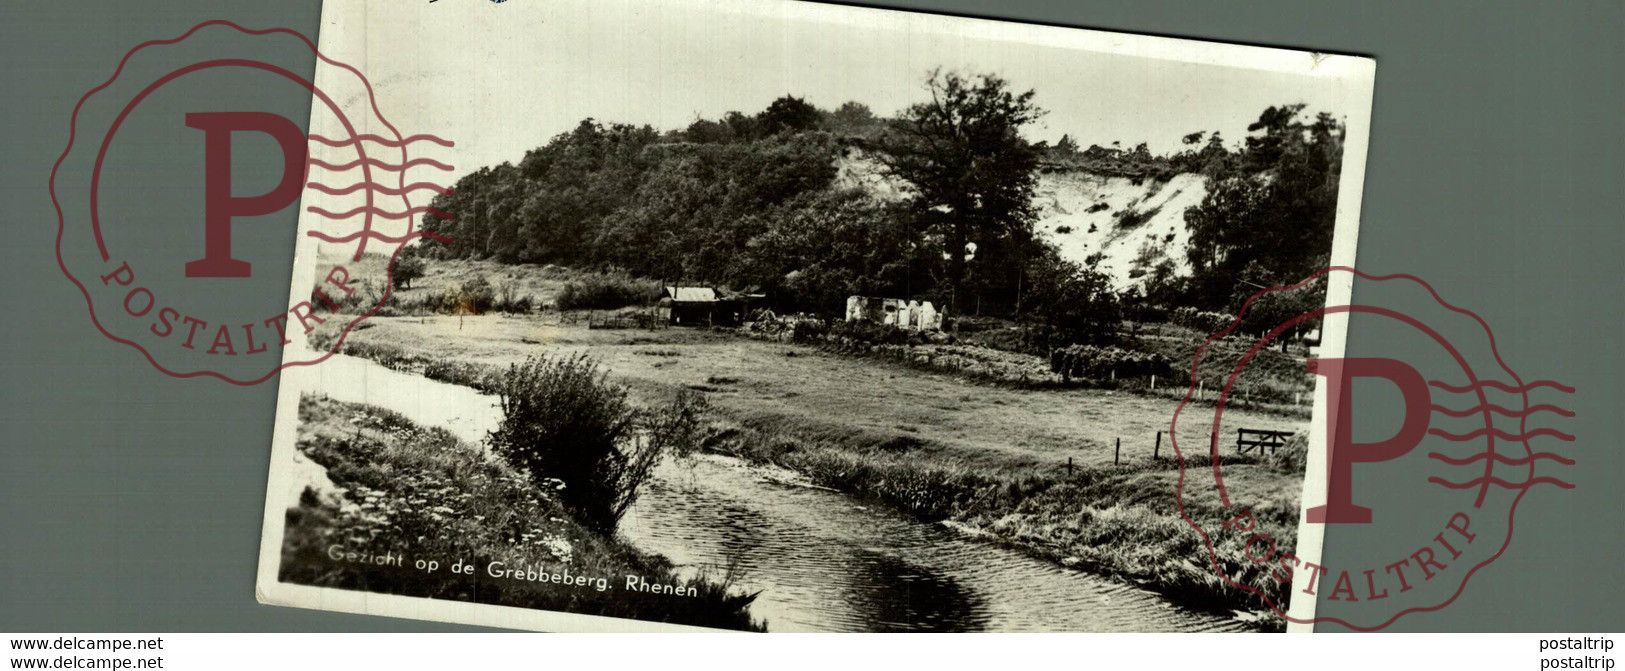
{"points": [[788, 316]]}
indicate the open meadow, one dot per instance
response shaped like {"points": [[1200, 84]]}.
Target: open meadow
{"points": [[1036, 468]]}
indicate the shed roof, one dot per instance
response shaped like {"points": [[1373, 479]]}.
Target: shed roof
{"points": [[692, 294]]}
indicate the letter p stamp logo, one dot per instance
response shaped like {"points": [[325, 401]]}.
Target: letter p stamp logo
{"points": [[179, 196], [1427, 455], [1344, 451], [219, 205]]}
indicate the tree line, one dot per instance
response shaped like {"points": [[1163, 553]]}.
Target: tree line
{"points": [[758, 202]]}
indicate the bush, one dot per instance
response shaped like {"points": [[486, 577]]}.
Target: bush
{"points": [[476, 296], [1132, 218], [444, 301], [1200, 320], [508, 300], [407, 268], [870, 334], [562, 420], [1292, 457], [1102, 363], [605, 292], [808, 330]]}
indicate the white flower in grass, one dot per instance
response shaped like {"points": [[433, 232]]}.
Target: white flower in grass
{"points": [[559, 547]]}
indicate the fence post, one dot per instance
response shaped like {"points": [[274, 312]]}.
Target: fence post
{"points": [[1153, 382], [1118, 453], [1201, 387], [1158, 449], [1069, 465]]}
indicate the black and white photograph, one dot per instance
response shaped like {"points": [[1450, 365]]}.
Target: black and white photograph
{"points": [[788, 316]]}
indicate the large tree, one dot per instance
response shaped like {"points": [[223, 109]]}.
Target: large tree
{"points": [[971, 171], [1271, 210]]}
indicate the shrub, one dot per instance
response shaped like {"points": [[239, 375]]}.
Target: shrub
{"points": [[808, 330], [1200, 320], [1102, 363], [605, 292], [476, 296], [1132, 218], [870, 334], [562, 420], [1292, 457], [407, 268], [444, 301], [508, 300]]}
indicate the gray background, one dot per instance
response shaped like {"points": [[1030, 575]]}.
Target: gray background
{"points": [[133, 501]]}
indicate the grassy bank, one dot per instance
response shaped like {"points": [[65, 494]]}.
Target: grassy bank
{"points": [[402, 490], [1115, 520]]}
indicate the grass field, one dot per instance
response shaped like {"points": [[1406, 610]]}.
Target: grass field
{"points": [[993, 459]]}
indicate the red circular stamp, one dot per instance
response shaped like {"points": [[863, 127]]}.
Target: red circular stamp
{"points": [[1415, 462], [180, 191]]}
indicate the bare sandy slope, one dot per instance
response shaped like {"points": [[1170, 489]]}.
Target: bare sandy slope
{"points": [[1082, 214]]}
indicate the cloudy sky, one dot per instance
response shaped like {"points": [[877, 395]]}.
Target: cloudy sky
{"points": [[501, 78]]}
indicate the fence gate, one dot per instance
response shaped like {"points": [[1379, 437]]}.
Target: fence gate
{"points": [[1262, 440]]}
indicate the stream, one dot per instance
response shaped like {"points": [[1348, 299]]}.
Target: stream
{"points": [[821, 560]]}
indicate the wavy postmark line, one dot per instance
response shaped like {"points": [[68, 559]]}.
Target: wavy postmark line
{"points": [[378, 139], [1501, 458], [1492, 480], [1512, 510], [1519, 389], [382, 214], [1510, 437], [375, 163], [378, 188], [1505, 412], [73, 132], [375, 235]]}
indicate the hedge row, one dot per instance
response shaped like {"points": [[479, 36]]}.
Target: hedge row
{"points": [[1200, 320], [1105, 363]]}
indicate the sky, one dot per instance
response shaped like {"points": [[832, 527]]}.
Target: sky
{"points": [[502, 78]]}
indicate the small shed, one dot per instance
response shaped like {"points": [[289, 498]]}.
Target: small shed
{"points": [[691, 306]]}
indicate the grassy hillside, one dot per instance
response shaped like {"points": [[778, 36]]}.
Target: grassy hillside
{"points": [[397, 489]]}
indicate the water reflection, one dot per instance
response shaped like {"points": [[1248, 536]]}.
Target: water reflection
{"points": [[824, 562]]}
